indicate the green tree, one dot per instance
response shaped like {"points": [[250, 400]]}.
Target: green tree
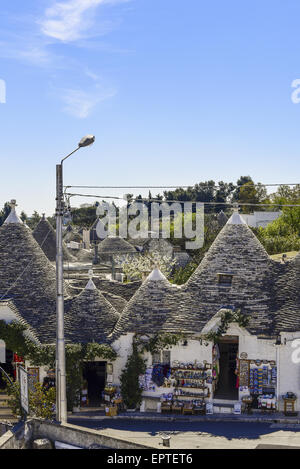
{"points": [[130, 386], [4, 212], [41, 401], [34, 220], [23, 216]]}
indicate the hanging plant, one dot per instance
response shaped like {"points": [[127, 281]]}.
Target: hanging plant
{"points": [[227, 317], [44, 355], [160, 341]]}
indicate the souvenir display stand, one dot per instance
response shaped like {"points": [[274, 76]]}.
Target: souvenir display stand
{"points": [[247, 401], [289, 400], [166, 407], [258, 381], [113, 400], [109, 392], [215, 367], [191, 384]]}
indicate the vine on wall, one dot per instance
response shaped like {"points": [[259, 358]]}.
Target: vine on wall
{"points": [[160, 341], [44, 355], [227, 317]]}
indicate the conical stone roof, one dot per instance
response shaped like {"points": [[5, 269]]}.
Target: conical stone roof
{"points": [[13, 216], [288, 296], [45, 235], [114, 246], [28, 278], [237, 253], [89, 317], [155, 307]]}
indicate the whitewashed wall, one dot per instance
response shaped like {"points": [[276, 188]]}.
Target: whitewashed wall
{"points": [[7, 314], [123, 347], [289, 364]]}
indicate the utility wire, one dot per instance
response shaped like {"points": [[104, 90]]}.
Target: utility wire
{"points": [[179, 201], [182, 187]]}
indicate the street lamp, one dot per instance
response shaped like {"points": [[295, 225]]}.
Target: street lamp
{"points": [[61, 396]]}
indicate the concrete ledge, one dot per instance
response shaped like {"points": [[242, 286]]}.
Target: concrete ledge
{"points": [[258, 418], [14, 438], [80, 436]]}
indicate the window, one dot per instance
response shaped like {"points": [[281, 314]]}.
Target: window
{"points": [[155, 358], [225, 279], [166, 357], [161, 358]]}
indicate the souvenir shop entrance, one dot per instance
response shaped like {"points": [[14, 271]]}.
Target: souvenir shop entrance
{"points": [[94, 373], [227, 387], [8, 367]]}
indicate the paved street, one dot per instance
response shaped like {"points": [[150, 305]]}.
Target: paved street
{"points": [[198, 435]]}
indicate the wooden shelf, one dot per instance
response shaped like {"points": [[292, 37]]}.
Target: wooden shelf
{"points": [[191, 369], [191, 387]]}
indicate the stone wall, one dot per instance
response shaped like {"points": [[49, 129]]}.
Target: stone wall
{"points": [[22, 437]]}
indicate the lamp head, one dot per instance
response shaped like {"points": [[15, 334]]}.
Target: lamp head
{"points": [[86, 141]]}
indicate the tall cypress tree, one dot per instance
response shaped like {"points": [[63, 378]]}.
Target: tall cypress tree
{"points": [[130, 387]]}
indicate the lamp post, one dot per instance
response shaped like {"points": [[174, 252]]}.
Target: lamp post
{"points": [[61, 397]]}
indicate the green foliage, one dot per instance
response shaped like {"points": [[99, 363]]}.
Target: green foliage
{"points": [[202, 192], [33, 220], [76, 354], [283, 234], [244, 191], [84, 216], [161, 341], [130, 387], [14, 401], [280, 244], [227, 317], [4, 212], [182, 274], [41, 401], [99, 350], [44, 355], [12, 334]]}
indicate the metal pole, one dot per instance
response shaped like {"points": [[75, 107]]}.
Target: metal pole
{"points": [[61, 398], [61, 388]]}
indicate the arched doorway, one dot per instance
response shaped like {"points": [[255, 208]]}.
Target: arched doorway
{"points": [[228, 353], [94, 373]]}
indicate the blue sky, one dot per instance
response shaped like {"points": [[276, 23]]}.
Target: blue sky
{"points": [[175, 92]]}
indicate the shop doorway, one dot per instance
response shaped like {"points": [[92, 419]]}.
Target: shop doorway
{"points": [[8, 367], [227, 384], [95, 375]]}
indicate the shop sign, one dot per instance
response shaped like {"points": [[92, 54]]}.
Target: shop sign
{"points": [[244, 355], [24, 389], [209, 408], [237, 408]]}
